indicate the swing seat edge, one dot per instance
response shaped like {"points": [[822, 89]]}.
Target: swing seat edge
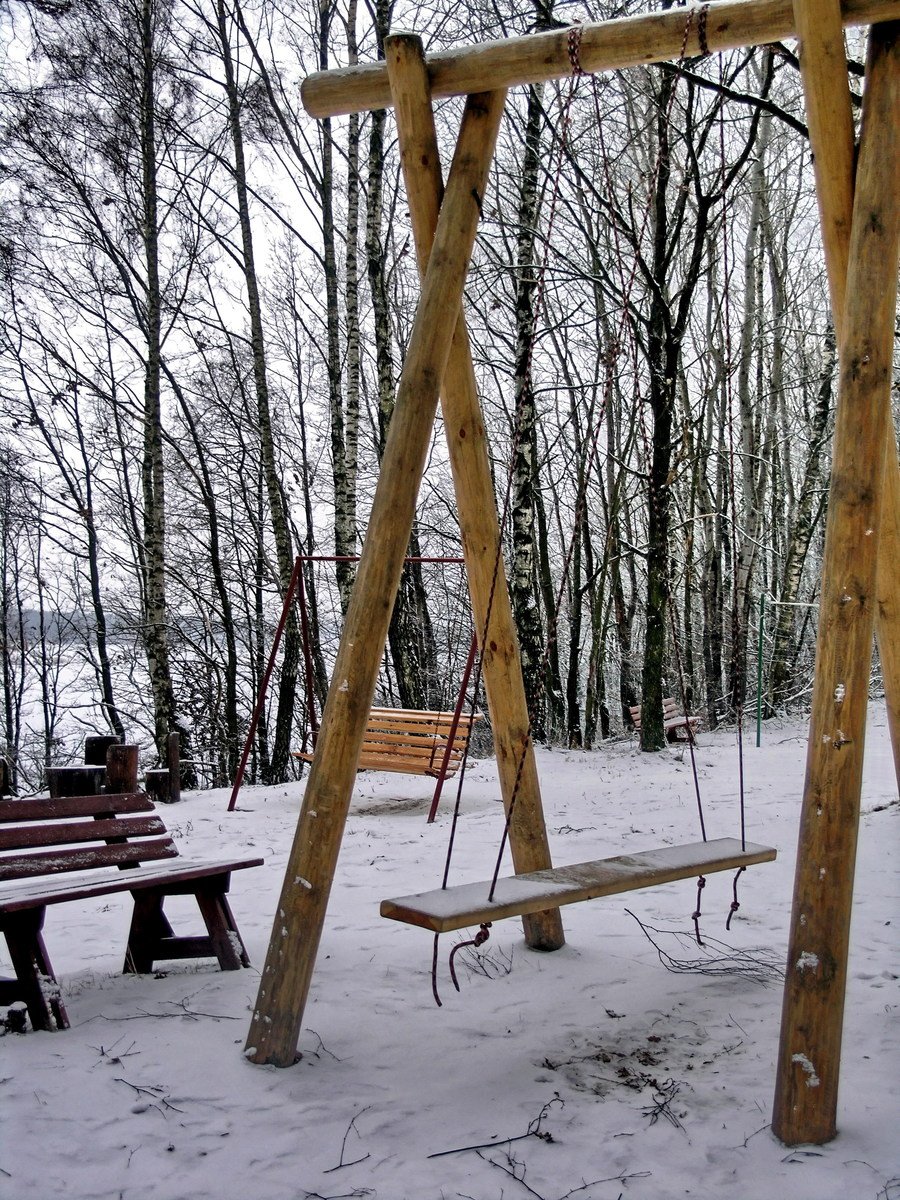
{"points": [[446, 909]]}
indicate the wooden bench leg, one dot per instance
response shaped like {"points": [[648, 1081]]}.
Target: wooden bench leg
{"points": [[34, 975], [227, 944], [152, 938], [149, 925]]}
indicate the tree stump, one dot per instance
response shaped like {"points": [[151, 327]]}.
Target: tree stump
{"points": [[96, 746], [75, 781], [156, 781], [122, 768], [173, 763]]}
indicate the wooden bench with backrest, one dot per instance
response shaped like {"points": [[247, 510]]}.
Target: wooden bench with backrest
{"points": [[674, 721], [78, 847], [413, 742]]}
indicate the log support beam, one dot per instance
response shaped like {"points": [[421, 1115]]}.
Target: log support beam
{"points": [[805, 1107], [478, 519], [300, 916], [662, 36]]}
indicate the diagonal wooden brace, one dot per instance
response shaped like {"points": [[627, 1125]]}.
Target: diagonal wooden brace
{"points": [[311, 865], [478, 519], [861, 554]]}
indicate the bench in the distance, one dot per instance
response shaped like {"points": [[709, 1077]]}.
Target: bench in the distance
{"points": [[78, 847], [674, 722], [413, 741]]}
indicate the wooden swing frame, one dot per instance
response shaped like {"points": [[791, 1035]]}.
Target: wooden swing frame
{"points": [[860, 219]]}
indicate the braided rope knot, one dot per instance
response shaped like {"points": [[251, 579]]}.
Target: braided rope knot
{"points": [[573, 42]]}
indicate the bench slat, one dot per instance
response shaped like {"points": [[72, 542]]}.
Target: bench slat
{"points": [[673, 719], [426, 742], [58, 808], [422, 715], [64, 833], [446, 909], [16, 897], [85, 858], [423, 729]]}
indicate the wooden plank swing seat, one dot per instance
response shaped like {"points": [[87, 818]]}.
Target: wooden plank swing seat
{"points": [[446, 909], [79, 847], [413, 742], [674, 721]]}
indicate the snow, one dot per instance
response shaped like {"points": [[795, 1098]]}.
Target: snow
{"points": [[593, 1072]]}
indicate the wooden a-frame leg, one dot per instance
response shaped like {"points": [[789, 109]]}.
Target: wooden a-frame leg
{"points": [[823, 66], [887, 615], [297, 928], [478, 519], [805, 1103], [36, 982]]}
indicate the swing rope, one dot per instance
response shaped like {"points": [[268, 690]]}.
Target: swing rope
{"points": [[574, 43], [736, 624]]}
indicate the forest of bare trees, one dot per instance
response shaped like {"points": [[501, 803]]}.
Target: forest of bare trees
{"points": [[206, 300]]}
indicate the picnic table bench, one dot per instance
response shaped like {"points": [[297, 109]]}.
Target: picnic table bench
{"points": [[674, 721], [413, 741], [77, 847]]}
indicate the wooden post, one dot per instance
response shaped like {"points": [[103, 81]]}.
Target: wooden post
{"points": [[75, 781], [609, 46], [887, 615], [158, 785], [122, 769], [812, 1018], [95, 748], [310, 871], [478, 520], [823, 66], [173, 765]]}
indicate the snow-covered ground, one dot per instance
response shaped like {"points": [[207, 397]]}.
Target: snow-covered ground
{"points": [[625, 1078]]}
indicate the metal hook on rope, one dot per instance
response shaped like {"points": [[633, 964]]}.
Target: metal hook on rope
{"points": [[695, 915], [478, 940], [735, 903]]}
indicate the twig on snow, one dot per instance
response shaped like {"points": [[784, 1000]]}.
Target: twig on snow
{"points": [[533, 1130], [352, 1126], [758, 965], [322, 1047]]}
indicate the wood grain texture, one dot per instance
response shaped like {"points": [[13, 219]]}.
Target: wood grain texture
{"points": [[612, 45], [474, 490], [806, 1091], [826, 87], [297, 928]]}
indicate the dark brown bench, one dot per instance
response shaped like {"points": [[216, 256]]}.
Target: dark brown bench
{"points": [[78, 847], [413, 742], [674, 722]]}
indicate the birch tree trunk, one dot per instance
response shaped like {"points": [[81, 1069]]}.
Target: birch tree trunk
{"points": [[278, 515], [156, 616], [524, 587], [808, 514]]}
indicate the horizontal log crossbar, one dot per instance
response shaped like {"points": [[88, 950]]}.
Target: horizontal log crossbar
{"points": [[609, 45], [446, 909]]}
